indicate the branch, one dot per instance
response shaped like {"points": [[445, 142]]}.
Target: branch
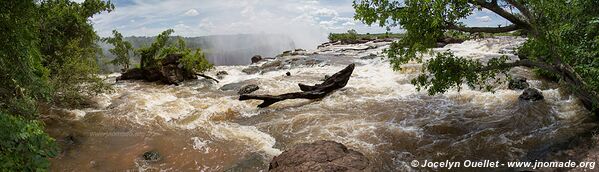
{"points": [[523, 62], [207, 77], [492, 6], [483, 29], [521, 8]]}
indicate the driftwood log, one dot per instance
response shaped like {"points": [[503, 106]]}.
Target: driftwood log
{"points": [[332, 83]]}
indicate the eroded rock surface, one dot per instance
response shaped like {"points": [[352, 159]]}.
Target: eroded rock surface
{"points": [[320, 156]]}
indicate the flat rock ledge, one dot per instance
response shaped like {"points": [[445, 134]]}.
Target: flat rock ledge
{"points": [[321, 155]]}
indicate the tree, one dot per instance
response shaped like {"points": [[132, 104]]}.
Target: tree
{"points": [[121, 50], [191, 60], [68, 48], [563, 41]]}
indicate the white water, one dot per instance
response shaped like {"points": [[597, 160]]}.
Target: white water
{"points": [[378, 113]]}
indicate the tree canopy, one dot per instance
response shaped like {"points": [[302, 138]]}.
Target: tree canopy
{"points": [[47, 55], [563, 40]]}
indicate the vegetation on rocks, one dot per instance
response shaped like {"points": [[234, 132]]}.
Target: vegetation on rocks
{"points": [[352, 37], [122, 50], [563, 41]]}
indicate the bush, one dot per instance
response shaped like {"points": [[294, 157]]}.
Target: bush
{"points": [[23, 145]]}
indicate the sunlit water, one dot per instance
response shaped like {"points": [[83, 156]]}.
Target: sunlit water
{"points": [[195, 126]]}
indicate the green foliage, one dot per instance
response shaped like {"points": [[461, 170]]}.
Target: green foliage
{"points": [[561, 35], [22, 76], [191, 60], [353, 37], [68, 48], [23, 144], [150, 54], [48, 51], [121, 50]]}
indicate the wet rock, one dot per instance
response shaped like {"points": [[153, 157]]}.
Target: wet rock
{"points": [[288, 73], [248, 89], [251, 70], [221, 74], [151, 156], [168, 71], [299, 49], [531, 94], [232, 86], [256, 58], [320, 156], [518, 83]]}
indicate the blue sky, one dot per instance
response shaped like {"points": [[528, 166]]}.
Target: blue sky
{"points": [[300, 19]]}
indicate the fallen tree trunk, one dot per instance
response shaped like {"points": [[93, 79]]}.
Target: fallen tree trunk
{"points": [[337, 81]]}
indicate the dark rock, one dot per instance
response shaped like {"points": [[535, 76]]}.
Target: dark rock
{"points": [[168, 71], [320, 156], [151, 156], [368, 57], [518, 83], [221, 74], [299, 49], [248, 89], [531, 94], [232, 86], [288, 73], [256, 58]]}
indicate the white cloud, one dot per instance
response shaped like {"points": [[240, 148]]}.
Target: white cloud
{"points": [[484, 19], [192, 12]]}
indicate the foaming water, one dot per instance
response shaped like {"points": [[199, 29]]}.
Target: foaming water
{"points": [[196, 126]]}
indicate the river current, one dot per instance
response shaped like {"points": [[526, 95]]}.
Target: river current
{"points": [[196, 126]]}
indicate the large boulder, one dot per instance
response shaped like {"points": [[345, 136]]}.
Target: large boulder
{"points": [[518, 83], [248, 89], [320, 156], [167, 71], [531, 94]]}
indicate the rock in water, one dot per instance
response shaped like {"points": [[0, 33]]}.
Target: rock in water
{"points": [[288, 73], [531, 94], [320, 156], [221, 74], [518, 83], [151, 156], [256, 58], [248, 89]]}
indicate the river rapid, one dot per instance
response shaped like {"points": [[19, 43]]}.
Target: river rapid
{"points": [[198, 127]]}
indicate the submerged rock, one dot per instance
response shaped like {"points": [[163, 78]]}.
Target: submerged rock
{"points": [[531, 94], [248, 89], [252, 162], [320, 156], [518, 83], [256, 58], [151, 156]]}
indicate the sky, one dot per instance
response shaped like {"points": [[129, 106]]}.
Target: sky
{"points": [[302, 20]]}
